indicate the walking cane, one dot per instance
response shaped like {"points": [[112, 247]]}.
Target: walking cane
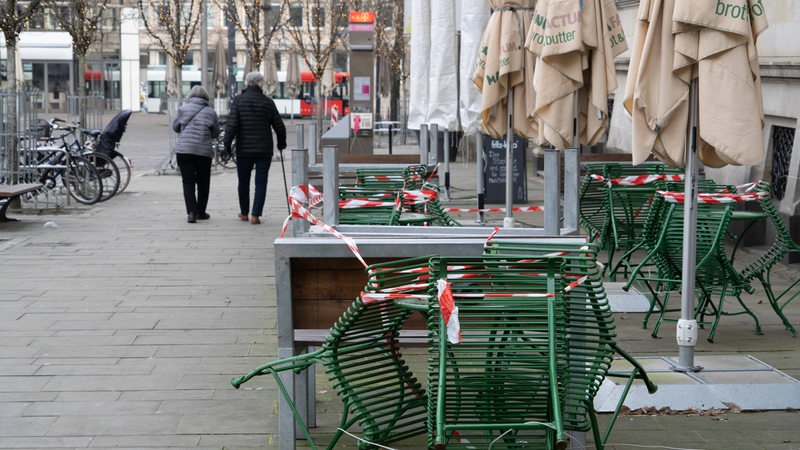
{"points": [[285, 186]]}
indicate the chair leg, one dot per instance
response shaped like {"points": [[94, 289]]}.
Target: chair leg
{"points": [[773, 301]]}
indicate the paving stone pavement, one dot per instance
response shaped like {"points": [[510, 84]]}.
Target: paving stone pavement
{"points": [[121, 326]]}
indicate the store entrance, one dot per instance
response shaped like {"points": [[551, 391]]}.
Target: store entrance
{"points": [[53, 81]]}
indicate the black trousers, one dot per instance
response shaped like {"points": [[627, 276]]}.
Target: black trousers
{"points": [[196, 176]]}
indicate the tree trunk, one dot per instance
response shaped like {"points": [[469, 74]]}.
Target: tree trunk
{"points": [[82, 101], [12, 161]]}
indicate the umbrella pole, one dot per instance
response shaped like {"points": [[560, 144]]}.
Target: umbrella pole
{"points": [[508, 220], [572, 169], [446, 153], [686, 332]]}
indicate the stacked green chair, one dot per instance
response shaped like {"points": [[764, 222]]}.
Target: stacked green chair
{"points": [[501, 386], [362, 358], [592, 204], [781, 246], [591, 340], [612, 214], [418, 177], [368, 206], [380, 178], [715, 277], [426, 202]]}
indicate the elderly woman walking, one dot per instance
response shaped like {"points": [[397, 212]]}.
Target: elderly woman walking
{"points": [[198, 125]]}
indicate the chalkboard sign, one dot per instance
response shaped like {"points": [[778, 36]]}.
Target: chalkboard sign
{"points": [[494, 175]]}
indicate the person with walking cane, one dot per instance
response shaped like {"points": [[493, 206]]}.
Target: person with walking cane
{"points": [[252, 118]]}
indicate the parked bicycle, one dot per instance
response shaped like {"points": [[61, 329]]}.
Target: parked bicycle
{"points": [[67, 137], [52, 165]]}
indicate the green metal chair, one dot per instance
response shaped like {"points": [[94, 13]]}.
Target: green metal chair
{"points": [[591, 340], [426, 202], [781, 246], [394, 178], [363, 360], [593, 204], [369, 206], [715, 277], [614, 214], [501, 386]]}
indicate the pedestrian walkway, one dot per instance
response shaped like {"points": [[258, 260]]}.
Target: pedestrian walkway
{"points": [[121, 326]]}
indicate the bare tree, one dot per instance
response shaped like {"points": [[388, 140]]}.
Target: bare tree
{"points": [[14, 17], [172, 25], [258, 22], [317, 28], [81, 19]]}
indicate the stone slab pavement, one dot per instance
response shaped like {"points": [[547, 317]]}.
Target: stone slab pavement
{"points": [[121, 326]]}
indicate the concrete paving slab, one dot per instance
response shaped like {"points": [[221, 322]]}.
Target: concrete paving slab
{"points": [[725, 382]]}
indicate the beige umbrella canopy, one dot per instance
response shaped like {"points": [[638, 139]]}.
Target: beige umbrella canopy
{"points": [[293, 76], [575, 42], [219, 75], [327, 80], [695, 65], [730, 106], [717, 49], [271, 83], [504, 69]]}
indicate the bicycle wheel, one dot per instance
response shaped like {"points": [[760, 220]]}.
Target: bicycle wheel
{"points": [[124, 166], [82, 180], [108, 172], [226, 160]]}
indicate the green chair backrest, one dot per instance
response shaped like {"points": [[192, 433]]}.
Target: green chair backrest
{"points": [[376, 206], [502, 386]]}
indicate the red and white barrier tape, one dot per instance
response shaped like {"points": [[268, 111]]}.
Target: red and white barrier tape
{"points": [[300, 212], [637, 180], [496, 210], [713, 198]]}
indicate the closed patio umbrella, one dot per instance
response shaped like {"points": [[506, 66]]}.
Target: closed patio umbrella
{"points": [[270, 73], [694, 91], [293, 76], [504, 68], [503, 72], [575, 42], [327, 84], [219, 75]]}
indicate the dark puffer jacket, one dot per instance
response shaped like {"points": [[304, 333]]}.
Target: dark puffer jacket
{"points": [[251, 116]]}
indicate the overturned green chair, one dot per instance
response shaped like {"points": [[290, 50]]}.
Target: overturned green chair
{"points": [[715, 277], [363, 360], [781, 246], [591, 340], [369, 206], [496, 379]]}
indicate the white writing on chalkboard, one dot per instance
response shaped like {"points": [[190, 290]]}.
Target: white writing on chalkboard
{"points": [[495, 172]]}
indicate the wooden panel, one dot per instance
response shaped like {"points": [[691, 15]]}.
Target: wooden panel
{"points": [[322, 288]]}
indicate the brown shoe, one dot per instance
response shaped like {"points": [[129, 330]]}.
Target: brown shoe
{"points": [[255, 220], [243, 217]]}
